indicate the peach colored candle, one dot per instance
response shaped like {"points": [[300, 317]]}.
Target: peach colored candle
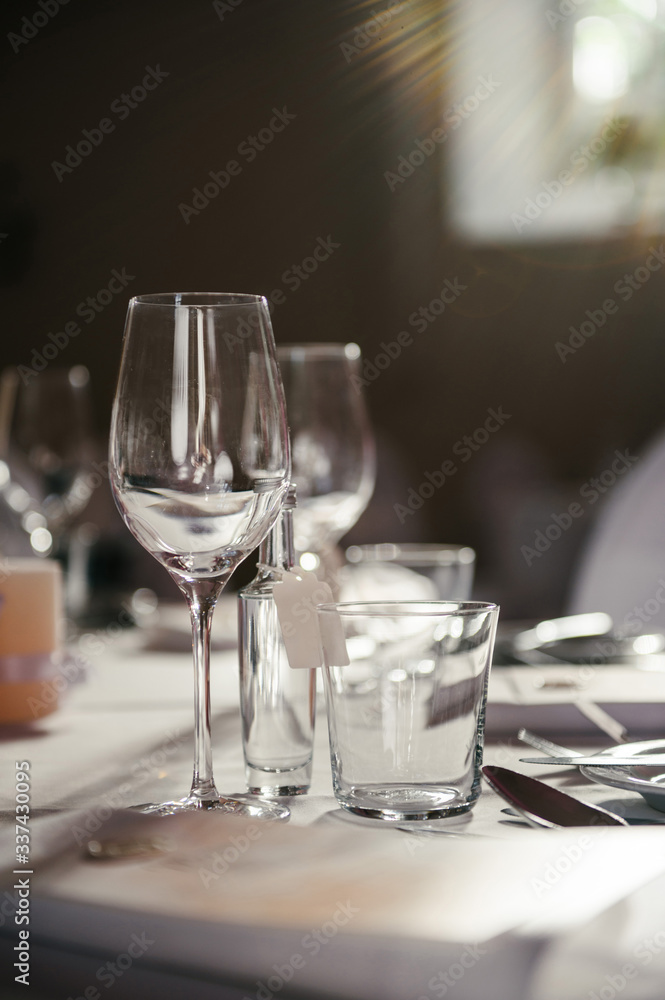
{"points": [[30, 614]]}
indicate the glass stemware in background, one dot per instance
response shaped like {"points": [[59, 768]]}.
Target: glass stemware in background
{"points": [[45, 451], [332, 445], [199, 462]]}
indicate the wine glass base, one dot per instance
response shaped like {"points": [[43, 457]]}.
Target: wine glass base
{"points": [[246, 806]]}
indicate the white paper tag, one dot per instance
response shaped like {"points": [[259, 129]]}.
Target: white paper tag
{"points": [[296, 597], [333, 641]]}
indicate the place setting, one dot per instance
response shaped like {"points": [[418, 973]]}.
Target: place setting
{"points": [[202, 487], [363, 715], [332, 457], [222, 440]]}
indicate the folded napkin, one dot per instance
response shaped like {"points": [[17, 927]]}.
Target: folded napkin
{"points": [[544, 698]]}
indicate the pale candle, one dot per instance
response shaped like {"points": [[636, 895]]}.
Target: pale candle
{"points": [[30, 615]]}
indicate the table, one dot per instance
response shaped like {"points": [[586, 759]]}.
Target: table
{"points": [[489, 908]]}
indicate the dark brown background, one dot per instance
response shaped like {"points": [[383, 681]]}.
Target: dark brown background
{"points": [[324, 176]]}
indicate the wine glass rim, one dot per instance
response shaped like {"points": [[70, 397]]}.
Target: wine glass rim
{"points": [[211, 299]]}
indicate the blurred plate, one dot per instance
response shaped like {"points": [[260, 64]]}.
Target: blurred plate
{"points": [[646, 651], [604, 648], [633, 779]]}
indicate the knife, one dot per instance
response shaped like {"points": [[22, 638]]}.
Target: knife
{"points": [[534, 798], [600, 760]]}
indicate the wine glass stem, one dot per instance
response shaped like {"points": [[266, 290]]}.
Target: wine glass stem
{"points": [[201, 608]]}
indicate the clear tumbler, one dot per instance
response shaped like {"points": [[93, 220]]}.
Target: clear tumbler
{"points": [[406, 689]]}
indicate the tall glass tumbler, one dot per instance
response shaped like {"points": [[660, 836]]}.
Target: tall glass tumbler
{"points": [[406, 689], [277, 703]]}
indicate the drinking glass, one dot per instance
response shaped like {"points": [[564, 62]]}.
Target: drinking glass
{"points": [[406, 689], [199, 461], [332, 445], [45, 445], [447, 569]]}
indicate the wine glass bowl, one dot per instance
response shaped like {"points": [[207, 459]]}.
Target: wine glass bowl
{"points": [[199, 463], [333, 451], [46, 445]]}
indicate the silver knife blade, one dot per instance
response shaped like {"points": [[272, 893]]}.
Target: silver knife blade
{"points": [[600, 760], [535, 798]]}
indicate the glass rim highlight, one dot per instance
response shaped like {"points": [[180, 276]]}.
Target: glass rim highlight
{"points": [[413, 553], [198, 299], [326, 349], [390, 609]]}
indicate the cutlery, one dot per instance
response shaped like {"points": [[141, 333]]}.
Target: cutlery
{"points": [[594, 713], [543, 806], [601, 760], [651, 791], [432, 830], [530, 820], [540, 743], [605, 722], [632, 820]]}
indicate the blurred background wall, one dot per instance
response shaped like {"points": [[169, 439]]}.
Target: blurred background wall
{"points": [[355, 87]]}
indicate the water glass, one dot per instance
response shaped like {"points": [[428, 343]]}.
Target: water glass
{"points": [[406, 689], [448, 568]]}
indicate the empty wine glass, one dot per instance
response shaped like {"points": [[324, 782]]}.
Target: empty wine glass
{"points": [[332, 446], [45, 450], [200, 465]]}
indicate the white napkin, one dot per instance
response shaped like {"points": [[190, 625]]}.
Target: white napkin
{"points": [[619, 953]]}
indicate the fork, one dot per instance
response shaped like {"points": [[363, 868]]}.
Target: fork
{"points": [[540, 743], [552, 749]]}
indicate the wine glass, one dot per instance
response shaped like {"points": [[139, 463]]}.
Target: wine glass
{"points": [[332, 445], [45, 451], [199, 462]]}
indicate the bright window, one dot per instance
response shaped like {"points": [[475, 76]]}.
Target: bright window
{"points": [[557, 130]]}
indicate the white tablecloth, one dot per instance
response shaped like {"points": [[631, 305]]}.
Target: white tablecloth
{"points": [[490, 909]]}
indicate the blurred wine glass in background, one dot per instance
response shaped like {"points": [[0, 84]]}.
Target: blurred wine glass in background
{"points": [[332, 448], [45, 452]]}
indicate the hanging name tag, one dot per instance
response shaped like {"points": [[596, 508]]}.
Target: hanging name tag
{"points": [[335, 653], [296, 597]]}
